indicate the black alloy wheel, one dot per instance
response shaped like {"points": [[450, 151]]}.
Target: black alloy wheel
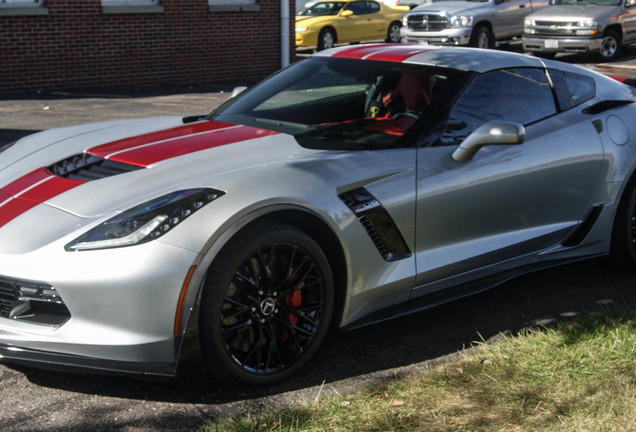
{"points": [[267, 305]]}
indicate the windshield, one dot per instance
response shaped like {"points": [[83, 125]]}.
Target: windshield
{"points": [[587, 2], [323, 8], [342, 103]]}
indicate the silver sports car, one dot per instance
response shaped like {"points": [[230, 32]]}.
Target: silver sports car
{"points": [[361, 183]]}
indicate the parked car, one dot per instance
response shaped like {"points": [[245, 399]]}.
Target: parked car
{"points": [[361, 183], [414, 3], [477, 23], [581, 26], [329, 22]]}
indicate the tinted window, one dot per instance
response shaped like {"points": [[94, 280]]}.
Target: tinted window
{"points": [[519, 95], [571, 89], [363, 7], [323, 8]]}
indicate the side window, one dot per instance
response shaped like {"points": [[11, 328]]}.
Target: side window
{"points": [[360, 7], [373, 7], [520, 95], [571, 89]]}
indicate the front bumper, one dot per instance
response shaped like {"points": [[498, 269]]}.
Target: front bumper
{"points": [[308, 38], [122, 305], [453, 36], [556, 45]]}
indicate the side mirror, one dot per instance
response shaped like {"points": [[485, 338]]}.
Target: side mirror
{"points": [[491, 133], [346, 13], [237, 91]]}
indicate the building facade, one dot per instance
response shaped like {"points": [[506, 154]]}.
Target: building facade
{"points": [[46, 44]]}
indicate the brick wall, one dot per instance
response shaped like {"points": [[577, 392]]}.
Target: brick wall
{"points": [[77, 45]]}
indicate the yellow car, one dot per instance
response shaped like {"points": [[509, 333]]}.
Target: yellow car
{"points": [[329, 22]]}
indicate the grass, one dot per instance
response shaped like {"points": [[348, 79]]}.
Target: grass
{"points": [[577, 376]]}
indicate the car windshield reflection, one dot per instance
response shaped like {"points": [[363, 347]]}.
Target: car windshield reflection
{"points": [[342, 103]]}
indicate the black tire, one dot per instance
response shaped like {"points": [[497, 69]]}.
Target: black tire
{"points": [[623, 249], [610, 46], [393, 33], [266, 306], [326, 39], [481, 37]]}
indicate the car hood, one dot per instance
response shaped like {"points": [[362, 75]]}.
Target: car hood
{"points": [[572, 12], [311, 20], [453, 7], [153, 157]]}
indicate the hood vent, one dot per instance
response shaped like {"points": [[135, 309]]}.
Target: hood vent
{"points": [[86, 167]]}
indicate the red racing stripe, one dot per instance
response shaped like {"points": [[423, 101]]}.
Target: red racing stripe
{"points": [[30, 190], [12, 209], [169, 149], [20, 185], [175, 142], [127, 143], [382, 52]]}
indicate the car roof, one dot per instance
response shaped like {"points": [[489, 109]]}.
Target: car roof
{"points": [[469, 59]]}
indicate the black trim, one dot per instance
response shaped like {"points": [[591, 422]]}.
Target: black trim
{"points": [[378, 223], [71, 363], [86, 167], [583, 229], [606, 105]]}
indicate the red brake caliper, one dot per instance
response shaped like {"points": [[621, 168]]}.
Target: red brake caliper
{"points": [[294, 300]]}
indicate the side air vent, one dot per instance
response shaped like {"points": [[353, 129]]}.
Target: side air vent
{"points": [[605, 105], [86, 167], [378, 223]]}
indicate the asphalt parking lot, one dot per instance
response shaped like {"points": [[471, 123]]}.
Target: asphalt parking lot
{"points": [[36, 400]]}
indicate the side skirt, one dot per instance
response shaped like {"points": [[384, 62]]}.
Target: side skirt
{"points": [[460, 291]]}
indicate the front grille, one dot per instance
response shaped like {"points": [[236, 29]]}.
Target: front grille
{"points": [[559, 28], [556, 23], [427, 22], [32, 302], [86, 167], [8, 298]]}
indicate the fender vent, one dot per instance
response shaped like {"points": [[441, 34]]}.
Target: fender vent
{"points": [[378, 223], [86, 167], [605, 105]]}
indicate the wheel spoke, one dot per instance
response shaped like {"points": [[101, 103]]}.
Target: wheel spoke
{"points": [[239, 329], [273, 351]]}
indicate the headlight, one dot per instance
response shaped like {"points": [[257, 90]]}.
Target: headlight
{"points": [[145, 222], [528, 23], [461, 21], [301, 29], [589, 23], [590, 28]]}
